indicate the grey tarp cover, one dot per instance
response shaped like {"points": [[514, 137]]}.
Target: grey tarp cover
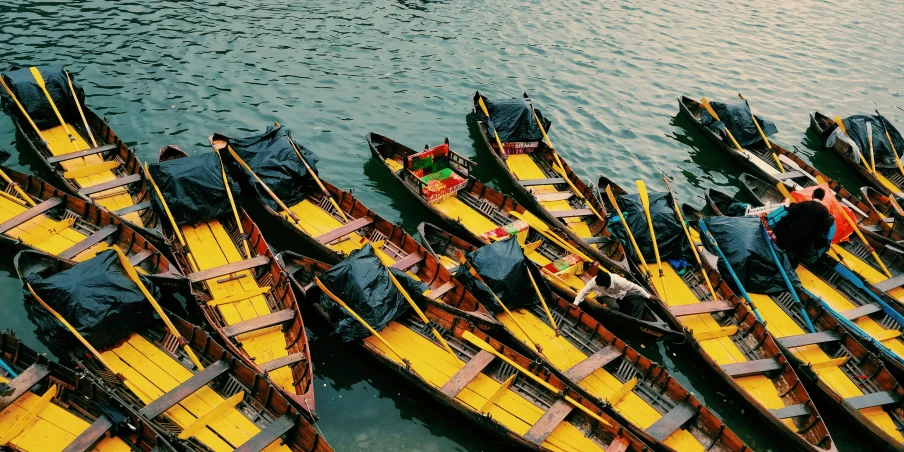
{"points": [[504, 268], [96, 297], [362, 283], [669, 234], [856, 129], [513, 120], [741, 240], [736, 116], [193, 188], [273, 159], [26, 89]]}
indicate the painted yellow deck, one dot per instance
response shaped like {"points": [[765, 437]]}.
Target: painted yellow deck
{"points": [[888, 184], [113, 199], [314, 222], [563, 355], [45, 233], [869, 272], [436, 366], [52, 430], [472, 219], [524, 167]]}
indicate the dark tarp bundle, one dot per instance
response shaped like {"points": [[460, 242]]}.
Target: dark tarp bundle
{"points": [[26, 89], [97, 298], [736, 209], [743, 244], [362, 283], [513, 120], [669, 234], [856, 129], [193, 188], [273, 159], [504, 268], [736, 116]]}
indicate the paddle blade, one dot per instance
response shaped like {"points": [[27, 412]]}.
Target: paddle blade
{"points": [[642, 192]]}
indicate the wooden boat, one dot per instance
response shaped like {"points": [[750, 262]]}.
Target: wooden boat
{"points": [[507, 408], [842, 368], [445, 247], [602, 367], [71, 228], [247, 299], [106, 171], [484, 215], [889, 181], [71, 416], [226, 405], [551, 188], [886, 208], [717, 201]]}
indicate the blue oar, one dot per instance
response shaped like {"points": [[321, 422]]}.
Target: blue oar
{"points": [[8, 369], [712, 242], [781, 271], [847, 274]]}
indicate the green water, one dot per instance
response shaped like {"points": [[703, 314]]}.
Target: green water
{"points": [[606, 73]]}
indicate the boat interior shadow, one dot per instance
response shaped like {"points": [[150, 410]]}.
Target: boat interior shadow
{"points": [[402, 210]]}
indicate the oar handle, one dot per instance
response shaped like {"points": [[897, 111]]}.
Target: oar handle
{"points": [[266, 188], [80, 112], [690, 240], [710, 110], [235, 211], [39, 79], [176, 231], [419, 312], [624, 223], [24, 112]]}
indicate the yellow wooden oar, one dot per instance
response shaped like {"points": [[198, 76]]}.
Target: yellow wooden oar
{"points": [[176, 231], [80, 112], [266, 188], [892, 144], [624, 223], [18, 189], [420, 313], [690, 240], [133, 275], [25, 113], [470, 337], [316, 179], [840, 123], [712, 112], [763, 136], [561, 167], [645, 202], [872, 154], [546, 231], [235, 211], [40, 81], [552, 320]]}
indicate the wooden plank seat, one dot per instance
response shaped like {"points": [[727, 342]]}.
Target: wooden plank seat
{"points": [[788, 175], [705, 307], [440, 291], [597, 240], [120, 182], [408, 261], [79, 154], [791, 411], [861, 311], [32, 212], [133, 208], [344, 230], [550, 420], [277, 363], [259, 323], [534, 182], [748, 368], [185, 389], [557, 196], [672, 421], [571, 213], [21, 384], [619, 444], [227, 269], [467, 373], [874, 399], [590, 364], [890, 283], [93, 239], [91, 436], [268, 435], [139, 257], [801, 340]]}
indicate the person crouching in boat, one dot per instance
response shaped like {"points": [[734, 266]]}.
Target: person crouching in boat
{"points": [[805, 231], [614, 292]]}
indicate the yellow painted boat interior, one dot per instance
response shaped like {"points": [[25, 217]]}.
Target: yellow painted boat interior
{"points": [[887, 183], [436, 366], [45, 233], [112, 199], [314, 221], [211, 246], [150, 373], [524, 167], [563, 355], [866, 270], [50, 430]]}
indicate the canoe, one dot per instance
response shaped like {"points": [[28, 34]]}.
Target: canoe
{"points": [[445, 247], [95, 164], [478, 384], [244, 297], [74, 417], [586, 354], [886, 208], [717, 201], [842, 368], [564, 201], [70, 227], [887, 180], [482, 215], [151, 372]]}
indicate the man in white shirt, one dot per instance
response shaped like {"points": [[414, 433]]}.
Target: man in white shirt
{"points": [[614, 292]]}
